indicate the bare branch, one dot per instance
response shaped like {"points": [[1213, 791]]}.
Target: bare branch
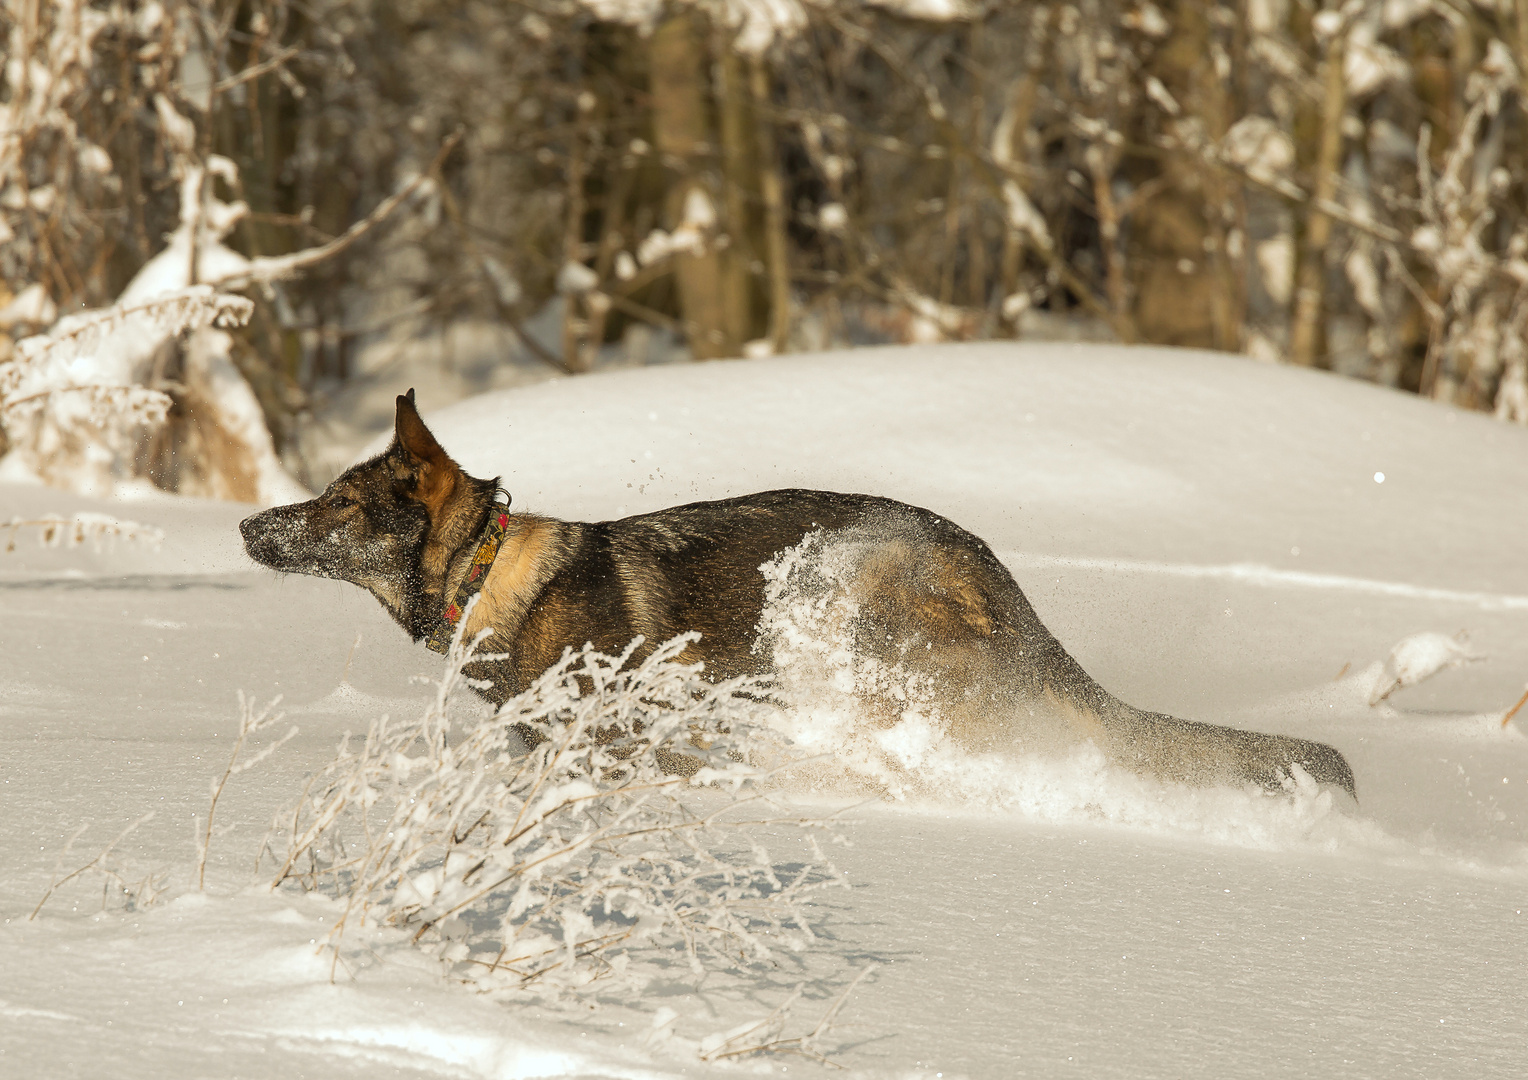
{"points": [[269, 268], [223, 85]]}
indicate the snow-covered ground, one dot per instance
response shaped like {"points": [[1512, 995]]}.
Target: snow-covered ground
{"points": [[1212, 538]]}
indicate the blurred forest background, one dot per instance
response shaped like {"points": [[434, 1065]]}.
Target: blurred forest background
{"points": [[231, 229]]}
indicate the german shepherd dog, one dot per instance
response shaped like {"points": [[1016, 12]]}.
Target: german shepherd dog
{"points": [[420, 534]]}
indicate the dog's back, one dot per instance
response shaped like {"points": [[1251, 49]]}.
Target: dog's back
{"points": [[687, 568], [925, 594]]}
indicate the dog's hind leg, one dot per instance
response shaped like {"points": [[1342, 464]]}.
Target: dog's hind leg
{"points": [[928, 609]]}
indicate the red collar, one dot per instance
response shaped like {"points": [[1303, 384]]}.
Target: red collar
{"points": [[489, 542]]}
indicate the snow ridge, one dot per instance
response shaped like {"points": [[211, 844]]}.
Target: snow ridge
{"points": [[1265, 576]]}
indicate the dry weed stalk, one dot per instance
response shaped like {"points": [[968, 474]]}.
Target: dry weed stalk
{"points": [[604, 809], [100, 530], [250, 722], [766, 1036], [136, 893], [1507, 719]]}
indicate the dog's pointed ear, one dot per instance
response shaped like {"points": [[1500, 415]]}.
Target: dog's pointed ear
{"points": [[412, 435], [436, 474]]}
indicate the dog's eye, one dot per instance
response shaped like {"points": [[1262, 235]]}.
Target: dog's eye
{"points": [[341, 502]]}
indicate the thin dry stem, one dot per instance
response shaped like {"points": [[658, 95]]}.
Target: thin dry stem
{"points": [[249, 723], [97, 863], [1505, 720]]}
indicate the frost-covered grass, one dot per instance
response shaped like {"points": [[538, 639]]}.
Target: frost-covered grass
{"points": [[101, 531]]}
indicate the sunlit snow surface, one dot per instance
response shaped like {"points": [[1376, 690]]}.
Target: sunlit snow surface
{"points": [[1206, 535]]}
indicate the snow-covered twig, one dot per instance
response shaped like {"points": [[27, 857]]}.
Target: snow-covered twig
{"points": [[76, 402], [273, 267], [766, 1036], [171, 314], [1417, 658], [101, 863]]}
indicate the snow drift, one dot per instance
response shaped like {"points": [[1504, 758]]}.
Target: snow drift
{"points": [[1049, 919]]}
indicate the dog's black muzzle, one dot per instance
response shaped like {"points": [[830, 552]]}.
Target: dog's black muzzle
{"points": [[268, 538]]}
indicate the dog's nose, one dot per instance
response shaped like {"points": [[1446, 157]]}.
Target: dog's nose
{"points": [[255, 530]]}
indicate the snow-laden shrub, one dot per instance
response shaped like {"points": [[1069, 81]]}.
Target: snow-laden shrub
{"points": [[604, 810], [78, 401]]}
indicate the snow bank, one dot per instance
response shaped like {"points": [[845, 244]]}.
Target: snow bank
{"points": [[244, 968], [1152, 454], [1042, 916]]}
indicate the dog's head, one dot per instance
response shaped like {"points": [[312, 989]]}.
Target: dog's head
{"points": [[389, 524]]}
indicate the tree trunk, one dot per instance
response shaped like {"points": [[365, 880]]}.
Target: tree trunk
{"points": [[1183, 293], [1009, 147], [739, 179], [682, 131], [1306, 335], [577, 350], [772, 191]]}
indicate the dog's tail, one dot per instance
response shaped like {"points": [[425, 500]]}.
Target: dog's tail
{"points": [[1195, 753], [993, 644], [1163, 746]]}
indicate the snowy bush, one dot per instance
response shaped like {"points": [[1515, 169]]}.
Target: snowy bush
{"points": [[604, 810], [78, 401]]}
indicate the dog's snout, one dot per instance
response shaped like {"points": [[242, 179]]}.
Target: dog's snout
{"points": [[287, 538], [261, 542]]}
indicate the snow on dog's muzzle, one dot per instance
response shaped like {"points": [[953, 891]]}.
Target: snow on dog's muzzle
{"points": [[273, 538]]}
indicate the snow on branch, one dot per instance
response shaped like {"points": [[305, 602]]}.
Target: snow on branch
{"points": [[171, 314], [274, 267], [604, 811], [1480, 320]]}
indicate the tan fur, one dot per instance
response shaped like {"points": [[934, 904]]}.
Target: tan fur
{"points": [[643, 604], [527, 559], [953, 585], [437, 487], [1082, 721]]}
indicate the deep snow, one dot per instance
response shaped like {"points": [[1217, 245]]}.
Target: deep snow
{"points": [[1207, 535]]}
